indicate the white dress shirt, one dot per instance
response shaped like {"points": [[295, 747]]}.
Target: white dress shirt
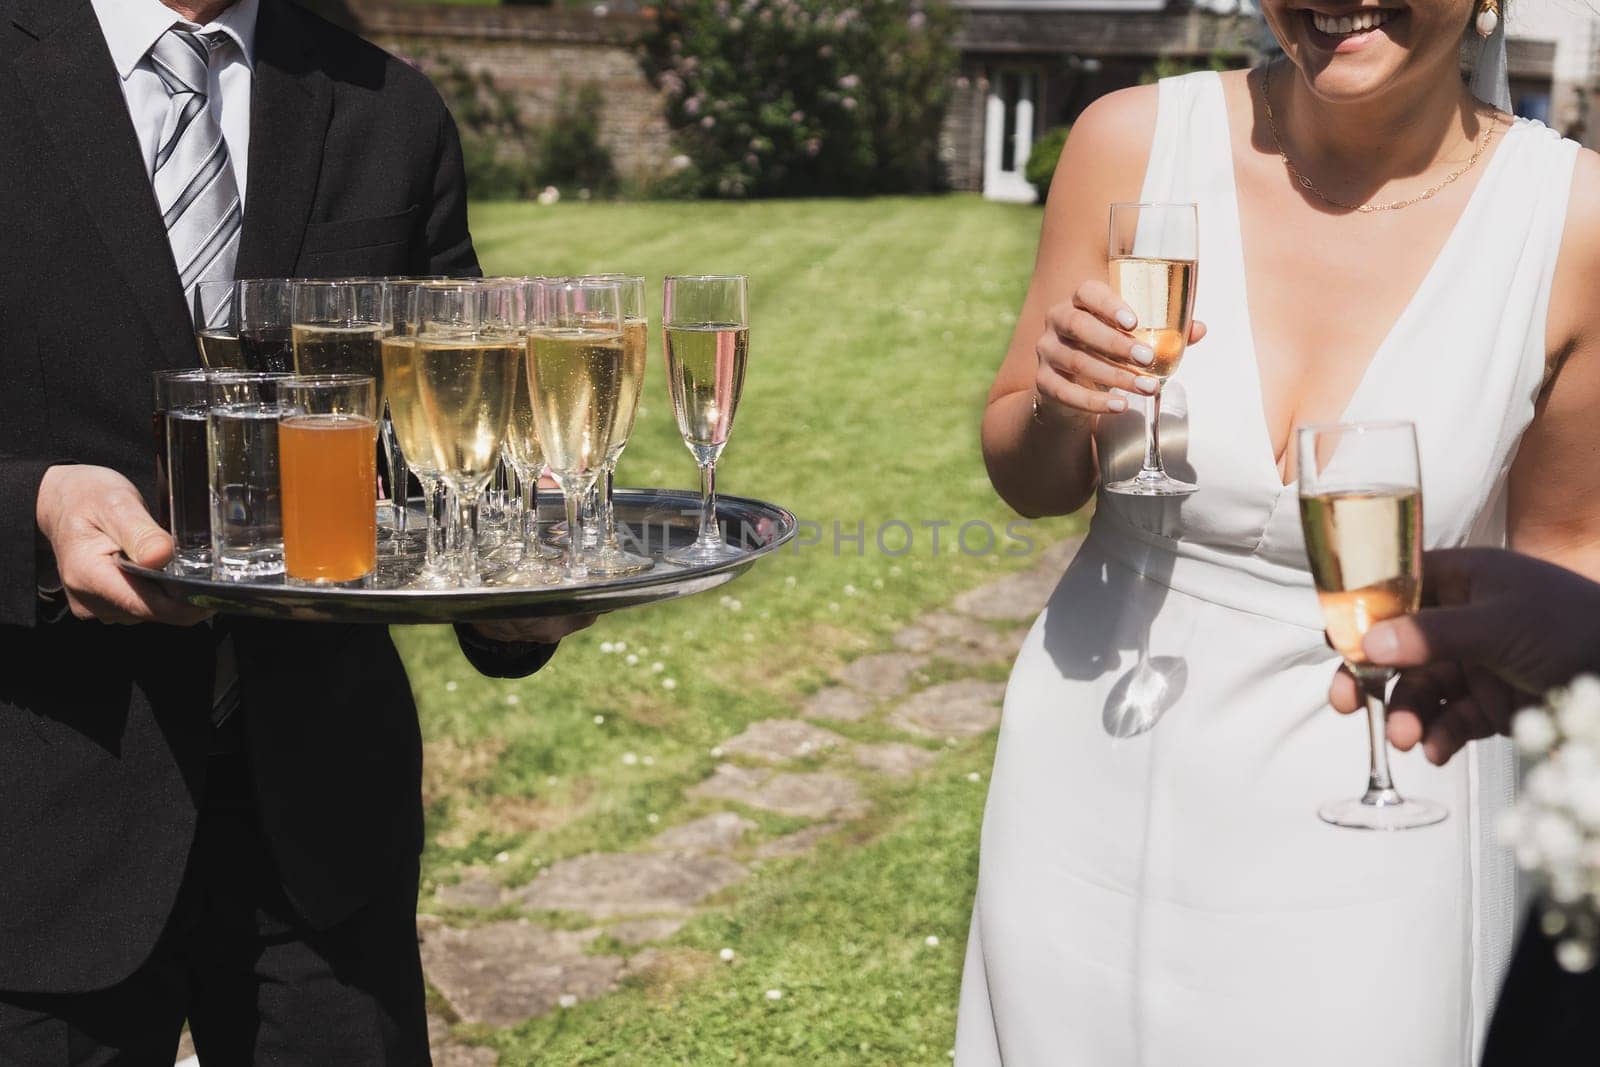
{"points": [[131, 29]]}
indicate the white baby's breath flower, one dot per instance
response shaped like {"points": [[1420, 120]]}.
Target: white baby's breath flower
{"points": [[629, 759], [599, 720], [567, 1000], [877, 583], [726, 955], [552, 780], [791, 581], [748, 637], [1557, 838], [607, 647], [652, 818], [833, 605], [502, 857], [1579, 715], [932, 941], [1583, 795], [621, 646], [774, 994], [512, 699], [669, 683], [716, 753], [849, 590], [1576, 957], [657, 667], [1543, 785], [1534, 731], [451, 686], [974, 777]]}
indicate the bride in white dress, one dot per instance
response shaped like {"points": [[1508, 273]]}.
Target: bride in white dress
{"points": [[1155, 888]]}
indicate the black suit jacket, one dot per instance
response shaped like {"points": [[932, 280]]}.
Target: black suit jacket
{"points": [[355, 169], [1546, 1017]]}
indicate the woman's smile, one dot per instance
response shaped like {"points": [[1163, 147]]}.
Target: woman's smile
{"points": [[1350, 30]]}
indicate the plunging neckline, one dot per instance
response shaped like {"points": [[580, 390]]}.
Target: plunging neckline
{"points": [[1430, 279]]}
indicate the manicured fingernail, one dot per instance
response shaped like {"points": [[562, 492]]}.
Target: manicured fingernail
{"points": [[1146, 383], [1142, 354], [1117, 403], [1380, 644], [1126, 319]]}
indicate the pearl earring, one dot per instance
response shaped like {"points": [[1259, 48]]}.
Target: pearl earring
{"points": [[1488, 18]]}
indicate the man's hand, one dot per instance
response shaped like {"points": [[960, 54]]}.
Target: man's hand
{"points": [[90, 515], [1496, 629], [546, 631]]}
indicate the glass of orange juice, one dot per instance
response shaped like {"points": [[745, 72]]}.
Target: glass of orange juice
{"points": [[328, 460]]}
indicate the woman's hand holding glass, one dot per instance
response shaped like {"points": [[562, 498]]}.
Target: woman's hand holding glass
{"points": [[1088, 349]]}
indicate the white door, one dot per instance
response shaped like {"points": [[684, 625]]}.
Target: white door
{"points": [[1008, 134]]}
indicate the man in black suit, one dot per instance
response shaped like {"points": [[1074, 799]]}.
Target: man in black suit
{"points": [[217, 822], [1497, 629]]}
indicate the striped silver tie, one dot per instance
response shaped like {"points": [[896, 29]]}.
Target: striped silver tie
{"points": [[194, 183]]}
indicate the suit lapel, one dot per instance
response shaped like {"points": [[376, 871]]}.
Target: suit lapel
{"points": [[289, 115], [69, 76]]}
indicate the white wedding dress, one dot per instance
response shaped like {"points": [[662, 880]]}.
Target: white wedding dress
{"points": [[1155, 887]]}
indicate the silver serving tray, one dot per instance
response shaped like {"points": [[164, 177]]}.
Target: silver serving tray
{"points": [[650, 521]]}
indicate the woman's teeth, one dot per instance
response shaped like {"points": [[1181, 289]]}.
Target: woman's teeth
{"points": [[1345, 25]]}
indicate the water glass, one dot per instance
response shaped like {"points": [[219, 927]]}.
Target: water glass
{"points": [[182, 484], [243, 463]]}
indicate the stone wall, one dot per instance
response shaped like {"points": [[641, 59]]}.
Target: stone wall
{"points": [[530, 52]]}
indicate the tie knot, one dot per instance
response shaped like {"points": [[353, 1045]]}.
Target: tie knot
{"points": [[181, 58]]}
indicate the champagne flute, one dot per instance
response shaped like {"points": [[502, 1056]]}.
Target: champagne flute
{"points": [[707, 327], [216, 325], [413, 449], [466, 364], [575, 371], [1153, 260], [610, 559], [524, 455], [1361, 510]]}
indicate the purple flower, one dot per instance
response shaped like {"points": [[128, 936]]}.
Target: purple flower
{"points": [[849, 81], [708, 122], [691, 106], [848, 103], [797, 116], [917, 20]]}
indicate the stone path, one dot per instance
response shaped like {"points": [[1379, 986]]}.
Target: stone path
{"points": [[589, 921]]}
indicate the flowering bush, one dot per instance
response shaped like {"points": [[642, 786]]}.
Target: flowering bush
{"points": [[803, 97], [1555, 826]]}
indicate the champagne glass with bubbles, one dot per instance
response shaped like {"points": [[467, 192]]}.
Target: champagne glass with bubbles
{"points": [[575, 372], [707, 327], [1361, 510], [1153, 260], [466, 365], [610, 559], [413, 447]]}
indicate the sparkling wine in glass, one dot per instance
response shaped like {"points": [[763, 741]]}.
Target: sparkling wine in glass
{"points": [[1154, 258], [707, 328], [610, 559], [467, 346], [410, 430], [1361, 510], [575, 377], [523, 453], [216, 325]]}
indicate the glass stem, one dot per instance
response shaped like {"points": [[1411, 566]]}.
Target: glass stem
{"points": [[1152, 435], [399, 482], [467, 504], [574, 500], [1380, 787], [608, 515], [709, 532], [438, 522], [530, 513]]}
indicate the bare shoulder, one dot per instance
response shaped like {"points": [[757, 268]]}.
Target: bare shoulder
{"points": [[1574, 314], [1116, 128]]}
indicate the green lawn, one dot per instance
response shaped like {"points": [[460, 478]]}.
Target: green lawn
{"points": [[876, 328]]}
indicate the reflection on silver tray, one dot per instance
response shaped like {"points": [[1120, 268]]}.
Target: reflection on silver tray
{"points": [[650, 521]]}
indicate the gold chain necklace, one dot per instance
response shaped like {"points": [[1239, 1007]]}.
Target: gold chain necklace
{"points": [[1365, 209]]}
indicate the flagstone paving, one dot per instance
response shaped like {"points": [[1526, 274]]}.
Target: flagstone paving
{"points": [[779, 740], [502, 972]]}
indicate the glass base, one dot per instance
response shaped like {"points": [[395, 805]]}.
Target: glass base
{"points": [[363, 582], [247, 568], [528, 573], [190, 562], [1383, 809], [616, 562], [703, 552], [1151, 483]]}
